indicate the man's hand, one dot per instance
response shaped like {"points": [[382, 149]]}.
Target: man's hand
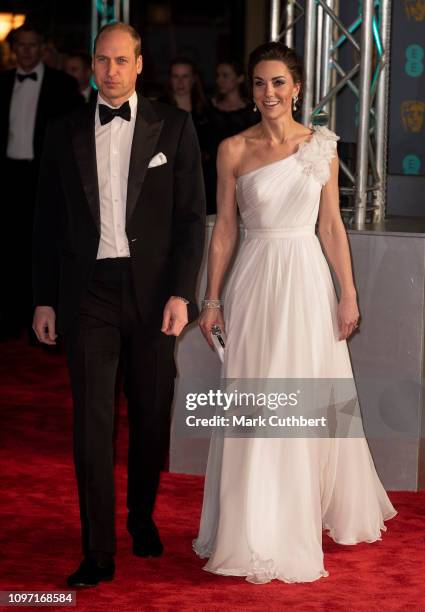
{"points": [[175, 317], [43, 324]]}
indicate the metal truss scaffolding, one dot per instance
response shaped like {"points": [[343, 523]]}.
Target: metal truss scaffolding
{"points": [[325, 34], [107, 11]]}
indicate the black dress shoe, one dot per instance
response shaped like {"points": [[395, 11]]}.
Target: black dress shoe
{"points": [[146, 541], [90, 573]]}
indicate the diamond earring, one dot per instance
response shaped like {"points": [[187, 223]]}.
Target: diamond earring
{"points": [[295, 100], [255, 108]]}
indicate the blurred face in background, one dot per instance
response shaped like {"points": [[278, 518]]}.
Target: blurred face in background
{"points": [[76, 67], [50, 56], [28, 48], [227, 80], [181, 79], [116, 66]]}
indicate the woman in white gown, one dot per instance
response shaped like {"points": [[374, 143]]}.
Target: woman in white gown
{"points": [[266, 500]]}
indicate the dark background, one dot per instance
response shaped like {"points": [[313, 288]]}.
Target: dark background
{"points": [[204, 31], [209, 31]]}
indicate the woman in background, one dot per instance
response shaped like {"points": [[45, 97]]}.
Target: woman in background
{"points": [[184, 87], [185, 90], [230, 112]]}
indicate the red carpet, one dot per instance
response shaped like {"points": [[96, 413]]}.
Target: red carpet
{"points": [[40, 529]]}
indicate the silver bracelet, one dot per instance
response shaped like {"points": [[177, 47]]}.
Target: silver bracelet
{"points": [[178, 297], [214, 304]]}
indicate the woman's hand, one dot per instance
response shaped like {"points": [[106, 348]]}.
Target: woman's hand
{"points": [[348, 315], [208, 318]]}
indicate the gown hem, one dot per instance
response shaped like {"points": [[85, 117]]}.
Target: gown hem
{"points": [[243, 572], [203, 553]]}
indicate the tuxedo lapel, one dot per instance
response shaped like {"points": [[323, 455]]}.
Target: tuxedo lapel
{"points": [[10, 82], [84, 144], [146, 133], [7, 82], [40, 115]]}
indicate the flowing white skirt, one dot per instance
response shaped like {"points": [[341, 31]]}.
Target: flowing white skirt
{"points": [[267, 500]]}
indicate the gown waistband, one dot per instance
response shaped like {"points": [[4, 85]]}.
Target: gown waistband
{"points": [[284, 232]]}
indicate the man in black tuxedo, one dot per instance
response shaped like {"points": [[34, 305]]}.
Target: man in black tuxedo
{"points": [[78, 65], [118, 242], [30, 95]]}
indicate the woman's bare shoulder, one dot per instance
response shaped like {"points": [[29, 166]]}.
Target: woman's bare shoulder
{"points": [[236, 145]]}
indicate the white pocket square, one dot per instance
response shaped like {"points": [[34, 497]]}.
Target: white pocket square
{"points": [[157, 160]]}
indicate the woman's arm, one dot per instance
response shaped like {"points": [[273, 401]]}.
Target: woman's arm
{"points": [[225, 232], [335, 244]]}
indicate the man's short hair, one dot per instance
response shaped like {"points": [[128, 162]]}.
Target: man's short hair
{"points": [[29, 27], [124, 27], [82, 55]]}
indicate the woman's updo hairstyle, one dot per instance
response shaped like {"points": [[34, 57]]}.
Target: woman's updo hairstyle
{"points": [[280, 52]]}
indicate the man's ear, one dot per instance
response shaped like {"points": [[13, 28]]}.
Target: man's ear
{"points": [[139, 64]]}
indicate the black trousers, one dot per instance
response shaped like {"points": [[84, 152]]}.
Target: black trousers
{"points": [[109, 326]]}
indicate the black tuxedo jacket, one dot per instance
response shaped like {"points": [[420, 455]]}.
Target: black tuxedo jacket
{"points": [[165, 214], [58, 96]]}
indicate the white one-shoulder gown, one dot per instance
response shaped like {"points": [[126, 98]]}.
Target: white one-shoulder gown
{"points": [[267, 500]]}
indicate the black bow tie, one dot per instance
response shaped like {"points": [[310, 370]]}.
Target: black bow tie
{"points": [[30, 75], [106, 113]]}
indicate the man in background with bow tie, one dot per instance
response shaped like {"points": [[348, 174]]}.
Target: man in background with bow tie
{"points": [[30, 95], [78, 65], [118, 242]]}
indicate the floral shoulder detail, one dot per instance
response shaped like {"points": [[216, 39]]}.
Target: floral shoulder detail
{"points": [[316, 154]]}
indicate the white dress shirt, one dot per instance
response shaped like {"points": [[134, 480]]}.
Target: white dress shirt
{"points": [[113, 149], [22, 114], [86, 93]]}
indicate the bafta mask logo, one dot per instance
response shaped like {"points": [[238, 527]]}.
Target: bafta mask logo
{"points": [[411, 164], [412, 115], [415, 9]]}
